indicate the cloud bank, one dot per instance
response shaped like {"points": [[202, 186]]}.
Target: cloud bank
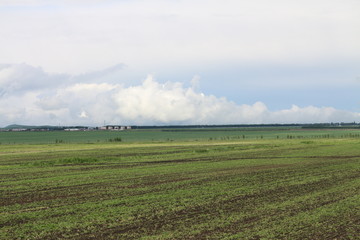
{"points": [[29, 95]]}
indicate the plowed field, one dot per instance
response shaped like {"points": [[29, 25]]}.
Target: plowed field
{"points": [[229, 189]]}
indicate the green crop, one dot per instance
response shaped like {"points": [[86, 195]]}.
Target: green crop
{"points": [[189, 188]]}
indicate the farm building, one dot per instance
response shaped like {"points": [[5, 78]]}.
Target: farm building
{"points": [[115, 127]]}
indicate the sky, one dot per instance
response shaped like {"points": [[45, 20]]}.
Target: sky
{"points": [[158, 62]]}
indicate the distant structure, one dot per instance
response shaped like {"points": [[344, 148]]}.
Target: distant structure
{"points": [[18, 129], [72, 129], [115, 128]]}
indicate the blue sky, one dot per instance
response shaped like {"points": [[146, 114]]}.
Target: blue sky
{"points": [[85, 62]]}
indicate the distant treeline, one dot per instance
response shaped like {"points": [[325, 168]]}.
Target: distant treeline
{"points": [[215, 126], [332, 125], [42, 128], [232, 126]]}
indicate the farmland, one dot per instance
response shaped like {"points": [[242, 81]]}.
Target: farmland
{"points": [[219, 184], [50, 137]]}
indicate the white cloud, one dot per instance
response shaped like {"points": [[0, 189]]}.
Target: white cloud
{"points": [[150, 102], [83, 114], [318, 114]]}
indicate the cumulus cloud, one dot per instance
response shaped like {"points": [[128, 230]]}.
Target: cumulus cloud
{"points": [[48, 102]]}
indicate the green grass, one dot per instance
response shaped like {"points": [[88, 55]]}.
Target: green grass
{"points": [[224, 188]]}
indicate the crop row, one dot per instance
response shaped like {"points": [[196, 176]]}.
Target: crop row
{"points": [[204, 190]]}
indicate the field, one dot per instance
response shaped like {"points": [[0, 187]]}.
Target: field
{"points": [[198, 184], [166, 135]]}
